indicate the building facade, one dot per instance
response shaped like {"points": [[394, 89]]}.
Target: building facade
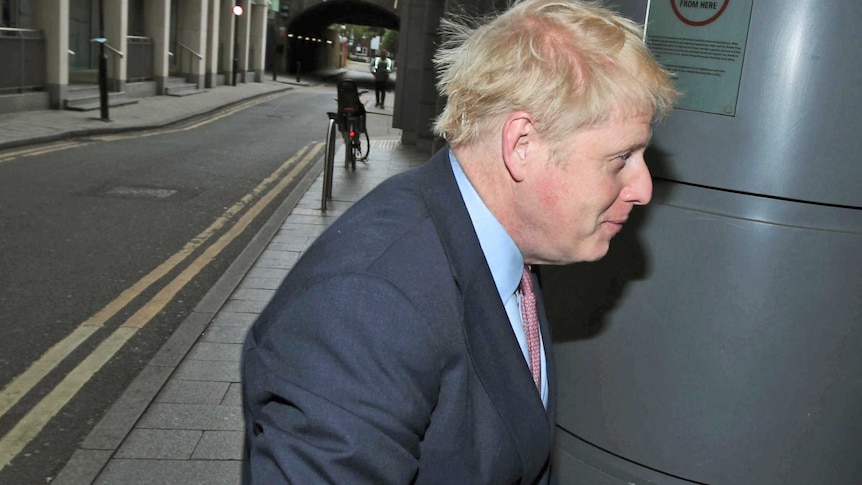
{"points": [[50, 47]]}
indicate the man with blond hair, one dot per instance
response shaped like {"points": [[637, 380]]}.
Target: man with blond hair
{"points": [[422, 354]]}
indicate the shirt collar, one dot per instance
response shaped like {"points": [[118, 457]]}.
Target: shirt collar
{"points": [[502, 255]]}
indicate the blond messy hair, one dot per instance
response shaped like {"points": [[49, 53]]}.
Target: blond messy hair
{"points": [[570, 64]]}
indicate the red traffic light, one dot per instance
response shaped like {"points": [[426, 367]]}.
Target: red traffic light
{"points": [[237, 10]]}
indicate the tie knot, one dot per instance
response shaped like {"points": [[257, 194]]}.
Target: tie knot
{"points": [[526, 281]]}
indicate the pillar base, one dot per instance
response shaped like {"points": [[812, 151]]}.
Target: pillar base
{"points": [[57, 95], [116, 85]]}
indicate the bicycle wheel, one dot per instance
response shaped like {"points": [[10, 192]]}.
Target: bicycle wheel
{"points": [[357, 150], [349, 135], [347, 152], [364, 156]]}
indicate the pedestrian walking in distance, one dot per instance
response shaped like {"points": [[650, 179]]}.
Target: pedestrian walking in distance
{"points": [[381, 66]]}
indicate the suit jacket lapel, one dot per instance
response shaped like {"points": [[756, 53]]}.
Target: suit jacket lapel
{"points": [[493, 347]]}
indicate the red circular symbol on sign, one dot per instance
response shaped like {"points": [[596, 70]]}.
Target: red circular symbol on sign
{"points": [[699, 23]]}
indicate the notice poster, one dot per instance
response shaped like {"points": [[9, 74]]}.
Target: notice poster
{"points": [[702, 44]]}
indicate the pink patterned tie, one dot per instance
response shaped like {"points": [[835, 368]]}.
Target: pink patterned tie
{"points": [[531, 326]]}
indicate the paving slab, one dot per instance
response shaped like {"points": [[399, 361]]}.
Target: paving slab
{"points": [[160, 444], [214, 351], [170, 472], [226, 334], [216, 417], [219, 445], [179, 391], [208, 370], [233, 319]]}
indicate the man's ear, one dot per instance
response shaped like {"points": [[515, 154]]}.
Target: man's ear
{"points": [[519, 137]]}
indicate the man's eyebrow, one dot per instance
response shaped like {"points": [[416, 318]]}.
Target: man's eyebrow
{"points": [[639, 144], [635, 146], [644, 143]]}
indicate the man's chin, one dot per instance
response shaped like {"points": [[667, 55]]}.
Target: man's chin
{"points": [[599, 251], [582, 255]]}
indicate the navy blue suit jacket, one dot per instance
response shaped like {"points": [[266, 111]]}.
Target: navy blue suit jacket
{"points": [[386, 356]]}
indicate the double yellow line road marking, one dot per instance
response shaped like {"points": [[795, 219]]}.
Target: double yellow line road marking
{"points": [[35, 420], [39, 150]]}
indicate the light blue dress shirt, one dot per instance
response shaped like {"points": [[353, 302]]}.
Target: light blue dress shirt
{"points": [[504, 259]]}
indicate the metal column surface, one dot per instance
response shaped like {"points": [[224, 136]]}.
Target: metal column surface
{"points": [[720, 341]]}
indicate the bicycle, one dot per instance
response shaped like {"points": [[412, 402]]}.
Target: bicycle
{"points": [[350, 121]]}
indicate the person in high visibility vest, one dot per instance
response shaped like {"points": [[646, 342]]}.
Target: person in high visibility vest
{"points": [[381, 66]]}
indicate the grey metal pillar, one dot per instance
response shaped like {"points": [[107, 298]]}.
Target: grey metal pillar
{"points": [[720, 341]]}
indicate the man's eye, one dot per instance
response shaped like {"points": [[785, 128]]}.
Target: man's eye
{"points": [[626, 156]]}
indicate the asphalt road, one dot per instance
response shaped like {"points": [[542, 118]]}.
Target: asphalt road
{"points": [[107, 243]]}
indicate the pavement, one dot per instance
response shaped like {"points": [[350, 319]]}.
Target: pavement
{"points": [[180, 421]]}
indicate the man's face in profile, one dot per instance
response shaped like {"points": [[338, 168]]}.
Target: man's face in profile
{"points": [[581, 202]]}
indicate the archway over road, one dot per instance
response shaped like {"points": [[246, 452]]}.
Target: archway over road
{"points": [[310, 41]]}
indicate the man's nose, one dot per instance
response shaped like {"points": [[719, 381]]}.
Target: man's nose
{"points": [[638, 189]]}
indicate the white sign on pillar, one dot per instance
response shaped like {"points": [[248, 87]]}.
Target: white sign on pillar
{"points": [[702, 43]]}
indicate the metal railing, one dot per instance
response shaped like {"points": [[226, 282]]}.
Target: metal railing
{"points": [[113, 61], [186, 68], [23, 51], [114, 50], [140, 62]]}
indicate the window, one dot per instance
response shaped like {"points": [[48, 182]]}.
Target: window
{"points": [[137, 18], [17, 14]]}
